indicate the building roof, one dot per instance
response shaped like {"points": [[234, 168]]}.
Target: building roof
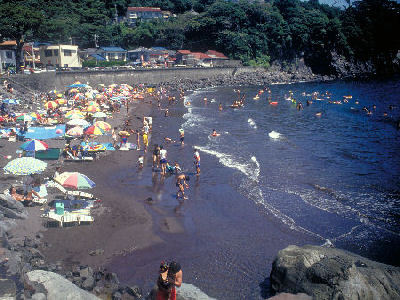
{"points": [[97, 57], [199, 55], [158, 48], [113, 49], [213, 53], [183, 51], [140, 49], [142, 8], [8, 43]]}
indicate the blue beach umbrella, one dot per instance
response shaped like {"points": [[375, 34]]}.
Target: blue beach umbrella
{"points": [[11, 101], [25, 166]]}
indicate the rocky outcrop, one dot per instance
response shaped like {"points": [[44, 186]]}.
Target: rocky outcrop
{"points": [[185, 292], [54, 286], [328, 273]]}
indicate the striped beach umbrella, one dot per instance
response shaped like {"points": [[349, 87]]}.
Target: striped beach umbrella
{"points": [[75, 131], [34, 145], [94, 130], [75, 180], [92, 108], [103, 125], [25, 166], [25, 118], [74, 114]]}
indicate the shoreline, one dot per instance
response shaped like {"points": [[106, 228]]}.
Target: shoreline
{"points": [[127, 227]]}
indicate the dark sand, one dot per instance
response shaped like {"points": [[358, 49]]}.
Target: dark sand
{"points": [[121, 223]]}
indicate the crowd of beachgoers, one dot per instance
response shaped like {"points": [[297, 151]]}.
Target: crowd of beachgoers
{"points": [[43, 133]]}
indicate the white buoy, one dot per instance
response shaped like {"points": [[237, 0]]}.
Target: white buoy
{"points": [[274, 135]]}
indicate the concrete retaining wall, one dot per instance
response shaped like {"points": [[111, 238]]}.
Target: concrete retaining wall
{"points": [[58, 80]]}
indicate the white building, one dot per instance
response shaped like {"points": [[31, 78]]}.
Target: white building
{"points": [[60, 56]]}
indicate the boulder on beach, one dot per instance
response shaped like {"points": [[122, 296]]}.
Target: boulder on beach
{"points": [[187, 291], [329, 273], [55, 286]]}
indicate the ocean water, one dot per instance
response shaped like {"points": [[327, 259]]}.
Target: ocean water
{"points": [[334, 177]]}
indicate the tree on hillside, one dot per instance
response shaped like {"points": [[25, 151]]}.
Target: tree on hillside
{"points": [[19, 20]]}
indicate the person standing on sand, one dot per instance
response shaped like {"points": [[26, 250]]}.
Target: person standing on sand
{"points": [[181, 184], [156, 156], [145, 141], [163, 160], [197, 161], [170, 277], [138, 139]]}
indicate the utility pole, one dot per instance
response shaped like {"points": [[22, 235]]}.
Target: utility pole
{"points": [[96, 37], [33, 56]]}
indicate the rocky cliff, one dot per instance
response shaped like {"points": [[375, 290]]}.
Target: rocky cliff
{"points": [[328, 273]]}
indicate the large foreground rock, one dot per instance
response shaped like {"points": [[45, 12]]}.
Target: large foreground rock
{"points": [[187, 291], [55, 286], [328, 273]]}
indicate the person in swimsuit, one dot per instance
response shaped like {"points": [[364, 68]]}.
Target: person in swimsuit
{"points": [[169, 278], [182, 136], [156, 156], [163, 160], [181, 184], [197, 161]]}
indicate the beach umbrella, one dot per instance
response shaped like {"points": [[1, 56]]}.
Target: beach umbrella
{"points": [[25, 118], [25, 166], [35, 115], [11, 101], [74, 114], [75, 131], [103, 125], [100, 114], [50, 104], [59, 95], [94, 103], [74, 90], [94, 130], [75, 180], [92, 108], [78, 122], [61, 101], [34, 145], [78, 85]]}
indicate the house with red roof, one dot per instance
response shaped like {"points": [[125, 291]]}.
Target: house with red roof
{"points": [[182, 57]]}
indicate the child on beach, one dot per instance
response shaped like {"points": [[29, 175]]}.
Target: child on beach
{"points": [[140, 161]]}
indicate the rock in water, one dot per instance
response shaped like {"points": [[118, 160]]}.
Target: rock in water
{"points": [[328, 273], [55, 286]]}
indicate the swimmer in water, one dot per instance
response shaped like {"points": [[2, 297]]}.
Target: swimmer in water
{"points": [[220, 107], [214, 133], [385, 114]]}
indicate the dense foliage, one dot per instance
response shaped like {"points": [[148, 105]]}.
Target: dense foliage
{"points": [[253, 32]]}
